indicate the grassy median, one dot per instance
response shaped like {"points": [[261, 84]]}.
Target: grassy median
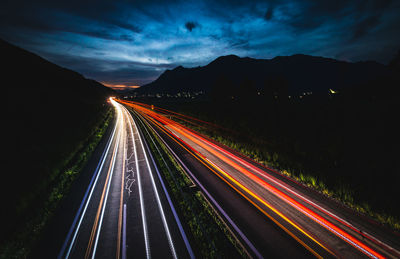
{"points": [[212, 238]]}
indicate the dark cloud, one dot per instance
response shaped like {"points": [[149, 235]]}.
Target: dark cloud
{"points": [[190, 25], [364, 26], [368, 15], [134, 40], [269, 13], [126, 37], [314, 13]]}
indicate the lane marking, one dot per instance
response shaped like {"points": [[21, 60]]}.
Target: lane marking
{"points": [[309, 213], [103, 202], [265, 213], [181, 230], [144, 223], [200, 157], [237, 183], [294, 192], [329, 226], [276, 212], [121, 197], [124, 234], [86, 200], [222, 211], [164, 220]]}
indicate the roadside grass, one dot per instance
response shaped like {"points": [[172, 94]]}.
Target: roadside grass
{"points": [[21, 243], [341, 193], [212, 237]]}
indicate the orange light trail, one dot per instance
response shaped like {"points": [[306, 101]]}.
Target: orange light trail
{"points": [[181, 116], [206, 162], [195, 138]]}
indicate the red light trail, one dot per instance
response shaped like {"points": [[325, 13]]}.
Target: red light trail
{"points": [[244, 167]]}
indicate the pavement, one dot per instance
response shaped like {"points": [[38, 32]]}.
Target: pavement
{"points": [[255, 197], [124, 211]]}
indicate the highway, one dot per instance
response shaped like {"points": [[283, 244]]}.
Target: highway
{"points": [[271, 214], [125, 212]]}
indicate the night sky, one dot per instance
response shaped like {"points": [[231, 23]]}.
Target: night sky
{"points": [[131, 43]]}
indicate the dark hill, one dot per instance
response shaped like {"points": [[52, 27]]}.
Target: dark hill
{"points": [[48, 111], [281, 75], [349, 141], [28, 74]]}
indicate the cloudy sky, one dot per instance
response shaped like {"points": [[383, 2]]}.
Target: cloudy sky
{"points": [[130, 43]]}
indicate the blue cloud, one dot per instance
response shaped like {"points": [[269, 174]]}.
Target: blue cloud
{"points": [[133, 43]]}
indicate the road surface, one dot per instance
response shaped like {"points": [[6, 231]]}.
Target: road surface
{"points": [[125, 212], [272, 215]]}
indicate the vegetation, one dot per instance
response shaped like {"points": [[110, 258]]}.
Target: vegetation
{"points": [[51, 119], [339, 144], [342, 193], [319, 121], [212, 237], [50, 192]]}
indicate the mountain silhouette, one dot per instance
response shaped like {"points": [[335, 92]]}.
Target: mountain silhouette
{"points": [[281, 75], [49, 111], [29, 74]]}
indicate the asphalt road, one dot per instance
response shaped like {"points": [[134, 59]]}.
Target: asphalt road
{"points": [[272, 215], [261, 237], [124, 212]]}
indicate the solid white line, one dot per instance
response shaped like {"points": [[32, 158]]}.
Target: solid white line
{"points": [[88, 200], [222, 211], [124, 234], [171, 244], [107, 191], [283, 185], [144, 222], [181, 230]]}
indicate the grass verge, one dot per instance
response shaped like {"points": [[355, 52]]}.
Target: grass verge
{"points": [[212, 237], [21, 243], [340, 193]]}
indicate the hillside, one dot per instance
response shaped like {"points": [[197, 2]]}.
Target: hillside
{"points": [[346, 142], [286, 75], [49, 110]]}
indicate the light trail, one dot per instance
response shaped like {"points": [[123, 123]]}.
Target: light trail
{"points": [[180, 115], [235, 163], [121, 201], [178, 221], [86, 200], [282, 195], [164, 220], [105, 200], [142, 209], [124, 234], [104, 196], [288, 189], [222, 211], [298, 195], [348, 238], [100, 200], [210, 166]]}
